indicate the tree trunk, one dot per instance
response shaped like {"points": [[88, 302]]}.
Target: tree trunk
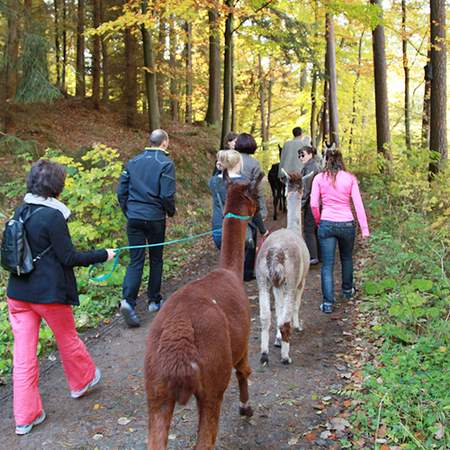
{"points": [[227, 77], [105, 57], [325, 115], [64, 46], [312, 120], [233, 91], [160, 61], [262, 100], [57, 44], [331, 73], [150, 77], [438, 116], [188, 55], [130, 90], [174, 104], [10, 71], [269, 107], [355, 93], [381, 93], [426, 103], [80, 87], [96, 56], [213, 112], [406, 71]]}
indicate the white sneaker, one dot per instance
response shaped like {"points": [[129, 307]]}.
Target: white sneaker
{"points": [[25, 429], [154, 307], [82, 391]]}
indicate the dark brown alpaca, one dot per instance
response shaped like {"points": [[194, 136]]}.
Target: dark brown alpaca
{"points": [[200, 334]]}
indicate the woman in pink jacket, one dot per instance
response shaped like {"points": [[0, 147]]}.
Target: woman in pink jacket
{"points": [[331, 192]]}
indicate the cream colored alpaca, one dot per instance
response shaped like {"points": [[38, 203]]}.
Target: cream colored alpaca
{"points": [[282, 266]]}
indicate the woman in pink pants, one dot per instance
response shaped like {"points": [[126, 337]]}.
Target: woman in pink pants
{"points": [[48, 292]]}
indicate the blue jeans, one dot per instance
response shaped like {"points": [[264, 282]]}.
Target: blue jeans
{"points": [[330, 233]]}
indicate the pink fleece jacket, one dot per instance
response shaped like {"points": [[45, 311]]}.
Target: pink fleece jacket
{"points": [[335, 199]]}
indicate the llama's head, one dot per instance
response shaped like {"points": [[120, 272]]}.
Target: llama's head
{"points": [[295, 184], [242, 198]]}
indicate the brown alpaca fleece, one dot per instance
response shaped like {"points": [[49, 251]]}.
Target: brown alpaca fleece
{"points": [[200, 334]]}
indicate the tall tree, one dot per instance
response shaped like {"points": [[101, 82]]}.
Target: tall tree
{"points": [[331, 76], [406, 72], [57, 42], [213, 111], [262, 100], [312, 120], [105, 56], [160, 59], [80, 86], [188, 59], [64, 45], [426, 102], [96, 55], [227, 77], [438, 117], [130, 88], [174, 103], [381, 93], [150, 77], [11, 57], [355, 93]]}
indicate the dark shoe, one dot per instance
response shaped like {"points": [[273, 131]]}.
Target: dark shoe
{"points": [[313, 262], [326, 308], [347, 295], [129, 314]]}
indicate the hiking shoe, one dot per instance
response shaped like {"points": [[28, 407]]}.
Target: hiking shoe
{"points": [[326, 308], [82, 391], [25, 429], [129, 314], [347, 295], [313, 262], [154, 307]]}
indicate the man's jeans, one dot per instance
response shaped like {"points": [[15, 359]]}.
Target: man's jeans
{"points": [[141, 232], [330, 233]]}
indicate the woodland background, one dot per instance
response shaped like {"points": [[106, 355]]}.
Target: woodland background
{"points": [[83, 81]]}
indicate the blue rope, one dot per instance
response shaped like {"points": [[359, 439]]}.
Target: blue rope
{"points": [[119, 250]]}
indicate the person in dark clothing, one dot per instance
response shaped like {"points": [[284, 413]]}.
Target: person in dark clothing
{"points": [[146, 194], [231, 160], [48, 292], [309, 171]]}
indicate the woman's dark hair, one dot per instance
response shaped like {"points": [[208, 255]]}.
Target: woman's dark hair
{"points": [[46, 179], [333, 163], [230, 136], [309, 150], [245, 143]]}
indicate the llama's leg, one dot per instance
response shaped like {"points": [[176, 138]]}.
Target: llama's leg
{"points": [[159, 424], [298, 323], [278, 294], [265, 317], [208, 424], [243, 371], [284, 324]]}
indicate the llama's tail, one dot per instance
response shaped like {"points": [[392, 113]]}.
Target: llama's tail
{"points": [[275, 259], [180, 359]]}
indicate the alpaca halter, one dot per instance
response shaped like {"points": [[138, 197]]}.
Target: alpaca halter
{"points": [[236, 216]]}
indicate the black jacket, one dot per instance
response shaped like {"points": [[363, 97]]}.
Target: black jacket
{"points": [[146, 187], [52, 280]]}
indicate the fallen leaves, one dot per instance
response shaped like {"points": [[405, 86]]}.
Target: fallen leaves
{"points": [[124, 421]]}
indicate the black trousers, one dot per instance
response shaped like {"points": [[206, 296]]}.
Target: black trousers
{"points": [[141, 232], [310, 232]]}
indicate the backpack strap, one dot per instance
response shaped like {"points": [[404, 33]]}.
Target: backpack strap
{"points": [[40, 255]]}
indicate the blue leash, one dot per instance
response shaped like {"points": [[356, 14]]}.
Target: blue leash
{"points": [[119, 250]]}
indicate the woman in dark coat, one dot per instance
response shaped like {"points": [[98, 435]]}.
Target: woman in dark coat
{"points": [[48, 292], [310, 170]]}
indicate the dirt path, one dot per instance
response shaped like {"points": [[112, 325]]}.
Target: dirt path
{"points": [[285, 399]]}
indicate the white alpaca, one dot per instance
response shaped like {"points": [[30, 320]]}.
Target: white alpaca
{"points": [[282, 266]]}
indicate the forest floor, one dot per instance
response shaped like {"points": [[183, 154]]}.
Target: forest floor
{"points": [[295, 406]]}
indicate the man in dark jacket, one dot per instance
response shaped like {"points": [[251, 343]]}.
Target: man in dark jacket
{"points": [[146, 194]]}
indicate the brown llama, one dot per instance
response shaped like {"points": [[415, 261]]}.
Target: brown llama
{"points": [[201, 333]]}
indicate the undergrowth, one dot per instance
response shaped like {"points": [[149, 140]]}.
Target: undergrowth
{"points": [[406, 388]]}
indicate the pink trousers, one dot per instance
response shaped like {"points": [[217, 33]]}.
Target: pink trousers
{"points": [[78, 365]]}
